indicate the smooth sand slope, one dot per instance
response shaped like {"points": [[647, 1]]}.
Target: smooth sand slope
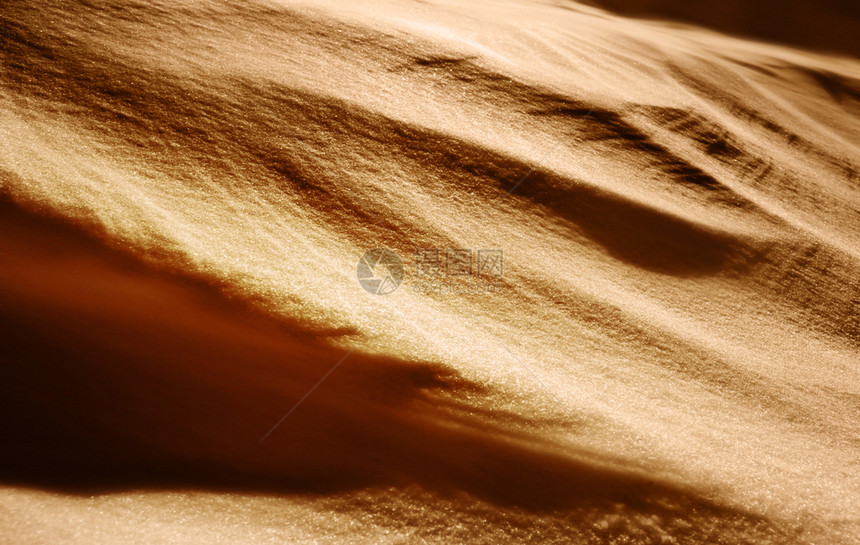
{"points": [[672, 354]]}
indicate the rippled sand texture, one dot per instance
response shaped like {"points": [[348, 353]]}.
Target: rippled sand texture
{"points": [[671, 356]]}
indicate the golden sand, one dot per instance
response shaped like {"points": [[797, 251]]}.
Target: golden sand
{"points": [[671, 353]]}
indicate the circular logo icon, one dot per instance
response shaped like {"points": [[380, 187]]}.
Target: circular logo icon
{"points": [[380, 271]]}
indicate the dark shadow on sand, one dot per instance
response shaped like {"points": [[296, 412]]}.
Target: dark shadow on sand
{"points": [[115, 376]]}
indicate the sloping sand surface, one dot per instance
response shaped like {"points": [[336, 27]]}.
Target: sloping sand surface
{"points": [[671, 354]]}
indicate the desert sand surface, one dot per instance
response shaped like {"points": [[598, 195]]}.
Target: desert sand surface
{"points": [[666, 350]]}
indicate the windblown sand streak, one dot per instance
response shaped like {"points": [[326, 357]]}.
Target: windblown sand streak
{"points": [[671, 355]]}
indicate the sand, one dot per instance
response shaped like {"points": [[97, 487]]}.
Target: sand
{"points": [[669, 353]]}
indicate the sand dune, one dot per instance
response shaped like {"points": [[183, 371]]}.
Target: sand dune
{"points": [[670, 356], [830, 25]]}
